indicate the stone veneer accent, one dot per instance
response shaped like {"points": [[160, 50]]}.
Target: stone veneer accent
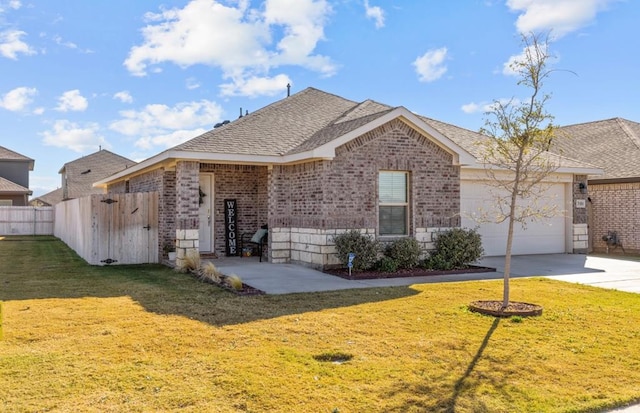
{"points": [[187, 209], [315, 247], [580, 238], [580, 216], [616, 207]]}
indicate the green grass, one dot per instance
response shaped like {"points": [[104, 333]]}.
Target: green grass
{"points": [[145, 338]]}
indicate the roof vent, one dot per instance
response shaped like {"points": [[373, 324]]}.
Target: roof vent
{"points": [[217, 125], [85, 172]]}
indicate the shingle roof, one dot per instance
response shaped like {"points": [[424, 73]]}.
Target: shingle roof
{"points": [[275, 129], [8, 186], [83, 172], [8, 154], [50, 198], [297, 125], [472, 142], [611, 144]]}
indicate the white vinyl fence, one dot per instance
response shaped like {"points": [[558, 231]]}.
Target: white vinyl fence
{"points": [[26, 220]]}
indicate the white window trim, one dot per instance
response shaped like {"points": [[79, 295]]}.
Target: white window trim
{"points": [[405, 204]]}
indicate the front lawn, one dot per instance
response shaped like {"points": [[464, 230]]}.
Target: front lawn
{"points": [[145, 338]]}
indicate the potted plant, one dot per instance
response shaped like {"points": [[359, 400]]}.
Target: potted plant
{"points": [[170, 249]]}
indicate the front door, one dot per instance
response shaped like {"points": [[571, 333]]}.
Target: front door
{"points": [[206, 213]]}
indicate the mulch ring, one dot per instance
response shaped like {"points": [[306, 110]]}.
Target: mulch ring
{"points": [[515, 308], [412, 272]]}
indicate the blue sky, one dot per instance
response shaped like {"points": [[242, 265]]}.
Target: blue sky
{"points": [[136, 77]]}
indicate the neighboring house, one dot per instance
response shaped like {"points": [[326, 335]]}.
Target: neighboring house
{"points": [[79, 175], [315, 164], [614, 198], [14, 178]]}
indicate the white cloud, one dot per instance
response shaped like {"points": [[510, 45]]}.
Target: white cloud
{"points": [[511, 66], [12, 4], [430, 66], [559, 16], [11, 44], [192, 83], [38, 111], [70, 135], [70, 45], [18, 99], [168, 126], [243, 42], [72, 100], [123, 96], [170, 139], [256, 86], [471, 107], [374, 12], [484, 107]]}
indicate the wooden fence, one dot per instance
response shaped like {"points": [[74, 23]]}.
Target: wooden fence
{"points": [[111, 228], [26, 220]]}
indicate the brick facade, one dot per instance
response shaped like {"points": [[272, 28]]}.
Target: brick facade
{"points": [[615, 207], [310, 202], [246, 184]]}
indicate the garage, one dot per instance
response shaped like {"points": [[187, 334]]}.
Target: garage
{"points": [[543, 237]]}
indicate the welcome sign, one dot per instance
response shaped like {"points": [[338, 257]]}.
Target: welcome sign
{"points": [[231, 226]]}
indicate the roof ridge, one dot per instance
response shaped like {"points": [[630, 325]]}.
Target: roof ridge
{"points": [[592, 121], [343, 117], [627, 130], [19, 155]]}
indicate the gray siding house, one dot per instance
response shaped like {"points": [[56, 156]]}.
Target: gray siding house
{"points": [[78, 176], [14, 178]]}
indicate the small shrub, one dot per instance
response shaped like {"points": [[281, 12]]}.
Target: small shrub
{"points": [[405, 252], [454, 249], [364, 246], [387, 264], [234, 282]]}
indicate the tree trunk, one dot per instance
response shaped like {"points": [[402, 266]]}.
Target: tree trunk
{"points": [[507, 255]]}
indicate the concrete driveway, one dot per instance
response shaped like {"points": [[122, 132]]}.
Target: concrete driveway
{"points": [[606, 272], [619, 273]]}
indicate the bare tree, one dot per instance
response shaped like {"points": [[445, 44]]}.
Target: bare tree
{"points": [[515, 155]]}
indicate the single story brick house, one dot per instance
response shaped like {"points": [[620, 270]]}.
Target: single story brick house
{"points": [[614, 198], [314, 164]]}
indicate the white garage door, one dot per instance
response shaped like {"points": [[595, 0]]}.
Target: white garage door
{"points": [[542, 237]]}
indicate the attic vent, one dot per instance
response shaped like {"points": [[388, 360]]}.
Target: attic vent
{"points": [[217, 125], [85, 172]]}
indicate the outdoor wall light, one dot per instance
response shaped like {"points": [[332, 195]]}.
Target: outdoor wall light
{"points": [[583, 188]]}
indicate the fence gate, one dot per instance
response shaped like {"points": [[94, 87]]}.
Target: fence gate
{"points": [[126, 228]]}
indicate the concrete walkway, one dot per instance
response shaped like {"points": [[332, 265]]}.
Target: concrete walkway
{"points": [[606, 272]]}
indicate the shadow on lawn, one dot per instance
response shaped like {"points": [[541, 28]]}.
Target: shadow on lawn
{"points": [[47, 268], [419, 396]]}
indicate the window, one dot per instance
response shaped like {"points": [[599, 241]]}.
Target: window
{"points": [[393, 204], [6, 202]]}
